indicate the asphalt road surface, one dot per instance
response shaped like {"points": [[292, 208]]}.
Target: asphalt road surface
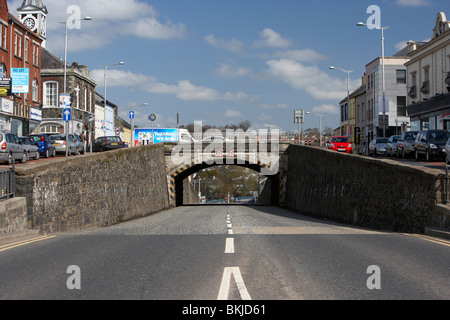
{"points": [[226, 253]]}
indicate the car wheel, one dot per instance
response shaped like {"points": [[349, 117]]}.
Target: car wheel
{"points": [[24, 158], [54, 153], [47, 154], [37, 156], [417, 155], [10, 161], [427, 156]]}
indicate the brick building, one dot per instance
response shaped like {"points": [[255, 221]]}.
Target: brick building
{"points": [[20, 47]]}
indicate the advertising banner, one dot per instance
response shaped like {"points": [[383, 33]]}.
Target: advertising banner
{"points": [[20, 80], [144, 136], [5, 87]]}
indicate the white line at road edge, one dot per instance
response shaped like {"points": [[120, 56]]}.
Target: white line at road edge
{"points": [[229, 245], [226, 281]]}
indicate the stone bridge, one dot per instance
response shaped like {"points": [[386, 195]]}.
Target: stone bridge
{"points": [[270, 158], [107, 188]]}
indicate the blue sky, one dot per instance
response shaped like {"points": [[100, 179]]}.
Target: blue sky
{"points": [[224, 62]]}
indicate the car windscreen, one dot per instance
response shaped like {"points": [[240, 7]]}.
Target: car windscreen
{"points": [[54, 138], [382, 140], [36, 138], [438, 136], [410, 135], [343, 139]]}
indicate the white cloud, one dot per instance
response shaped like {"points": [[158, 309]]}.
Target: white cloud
{"points": [[228, 71], [412, 3], [311, 79], [183, 90], [306, 55], [271, 38], [229, 45], [233, 114], [326, 108], [280, 106], [110, 19]]}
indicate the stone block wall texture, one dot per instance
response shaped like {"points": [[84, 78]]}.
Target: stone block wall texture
{"points": [[94, 189], [373, 193], [13, 216]]}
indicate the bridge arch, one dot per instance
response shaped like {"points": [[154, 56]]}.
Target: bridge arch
{"points": [[178, 175]]}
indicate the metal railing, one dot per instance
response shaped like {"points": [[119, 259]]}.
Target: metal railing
{"points": [[7, 180], [447, 195]]}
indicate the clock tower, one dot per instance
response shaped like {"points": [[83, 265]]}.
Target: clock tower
{"points": [[33, 14]]}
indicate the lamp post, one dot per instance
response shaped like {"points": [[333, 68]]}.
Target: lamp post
{"points": [[320, 126], [104, 80], [361, 24], [132, 122], [348, 94], [65, 75]]}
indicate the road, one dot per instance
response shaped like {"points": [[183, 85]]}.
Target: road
{"points": [[226, 252]]}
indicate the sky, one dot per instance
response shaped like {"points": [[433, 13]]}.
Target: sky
{"points": [[226, 61]]}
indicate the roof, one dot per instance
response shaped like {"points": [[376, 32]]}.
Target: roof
{"points": [[33, 5]]}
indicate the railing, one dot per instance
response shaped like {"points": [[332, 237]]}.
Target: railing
{"points": [[7, 180], [447, 193]]}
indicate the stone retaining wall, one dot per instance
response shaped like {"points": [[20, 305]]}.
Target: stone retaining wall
{"points": [[374, 193], [94, 189]]}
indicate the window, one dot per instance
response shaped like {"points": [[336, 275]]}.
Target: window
{"points": [[2, 70], [35, 90], [51, 94], [401, 106], [401, 76], [35, 53], [4, 35], [25, 48]]}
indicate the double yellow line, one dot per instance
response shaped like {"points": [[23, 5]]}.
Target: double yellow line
{"points": [[431, 239], [23, 242]]}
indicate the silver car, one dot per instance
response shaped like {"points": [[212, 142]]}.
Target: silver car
{"points": [[391, 147], [378, 146], [59, 141], [10, 147], [31, 148]]}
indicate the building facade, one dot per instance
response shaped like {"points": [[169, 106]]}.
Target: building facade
{"points": [[20, 53], [429, 79], [79, 85], [389, 120]]}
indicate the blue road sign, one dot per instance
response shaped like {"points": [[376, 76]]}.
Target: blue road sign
{"points": [[67, 115], [131, 114]]}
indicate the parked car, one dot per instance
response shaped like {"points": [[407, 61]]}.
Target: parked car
{"points": [[59, 141], [406, 144], [447, 152], [340, 144], [31, 149], [391, 147], [378, 146], [44, 144], [107, 143], [11, 148], [431, 144]]}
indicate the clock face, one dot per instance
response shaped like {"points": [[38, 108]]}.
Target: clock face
{"points": [[29, 22]]}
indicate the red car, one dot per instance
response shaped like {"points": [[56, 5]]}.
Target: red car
{"points": [[340, 144]]}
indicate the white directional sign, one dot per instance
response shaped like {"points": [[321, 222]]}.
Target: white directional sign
{"points": [[131, 114]]}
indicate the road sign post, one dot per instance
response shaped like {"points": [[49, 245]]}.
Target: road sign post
{"points": [[67, 116], [299, 118]]}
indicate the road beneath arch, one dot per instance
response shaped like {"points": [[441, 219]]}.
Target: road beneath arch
{"points": [[227, 252]]}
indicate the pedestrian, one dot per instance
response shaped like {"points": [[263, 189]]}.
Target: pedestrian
{"points": [[83, 140]]}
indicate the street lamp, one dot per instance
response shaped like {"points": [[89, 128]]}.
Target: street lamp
{"points": [[320, 126], [348, 94], [105, 69], [65, 74], [132, 122], [361, 24]]}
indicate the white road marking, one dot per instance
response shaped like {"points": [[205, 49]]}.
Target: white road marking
{"points": [[229, 245], [226, 281]]}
